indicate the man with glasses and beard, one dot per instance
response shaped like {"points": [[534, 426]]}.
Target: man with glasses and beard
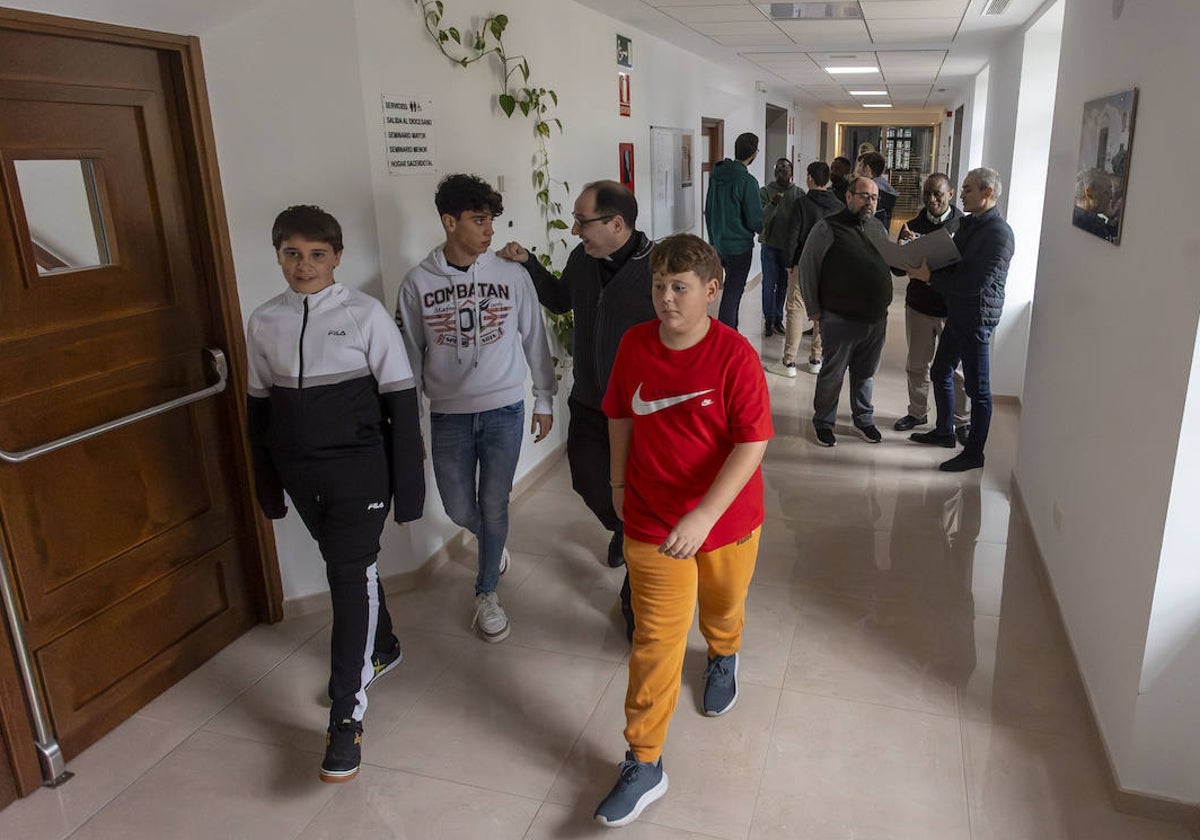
{"points": [[847, 286], [606, 284]]}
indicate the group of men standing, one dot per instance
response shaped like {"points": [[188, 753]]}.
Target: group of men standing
{"points": [[819, 265]]}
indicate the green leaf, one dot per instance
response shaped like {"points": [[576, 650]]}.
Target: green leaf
{"points": [[543, 129], [441, 9], [497, 25], [557, 224], [442, 36], [553, 96], [454, 34], [566, 188], [558, 122], [525, 108], [502, 20], [539, 178], [507, 104], [543, 197], [544, 259]]}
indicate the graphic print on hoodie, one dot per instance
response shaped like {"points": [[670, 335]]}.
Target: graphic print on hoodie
{"points": [[470, 334]]}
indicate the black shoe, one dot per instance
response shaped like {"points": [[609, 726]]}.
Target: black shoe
{"points": [[343, 751], [825, 437], [909, 422], [616, 549], [384, 661], [962, 433], [962, 462], [934, 438], [870, 434]]}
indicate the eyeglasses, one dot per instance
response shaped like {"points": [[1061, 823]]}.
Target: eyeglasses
{"points": [[866, 196], [586, 222]]}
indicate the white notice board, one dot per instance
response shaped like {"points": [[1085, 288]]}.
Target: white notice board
{"points": [[672, 181]]}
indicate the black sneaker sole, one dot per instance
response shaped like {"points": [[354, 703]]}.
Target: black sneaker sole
{"points": [[385, 670]]}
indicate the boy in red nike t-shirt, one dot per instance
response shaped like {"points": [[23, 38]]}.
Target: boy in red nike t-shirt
{"points": [[689, 420]]}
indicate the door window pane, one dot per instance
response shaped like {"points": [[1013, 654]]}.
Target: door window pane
{"points": [[63, 215]]}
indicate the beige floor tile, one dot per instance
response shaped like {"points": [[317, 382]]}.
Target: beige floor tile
{"points": [[889, 654], [554, 523], [771, 615], [384, 804], [503, 718], [215, 684], [570, 605], [712, 764], [101, 773], [1025, 785], [1023, 678], [838, 769], [558, 821], [215, 786], [290, 707]]}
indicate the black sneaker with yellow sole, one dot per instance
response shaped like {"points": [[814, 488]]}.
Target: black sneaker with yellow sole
{"points": [[343, 751]]}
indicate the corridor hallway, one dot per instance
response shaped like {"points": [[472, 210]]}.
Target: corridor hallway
{"points": [[904, 678]]}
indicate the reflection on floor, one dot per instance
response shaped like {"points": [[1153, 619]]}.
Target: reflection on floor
{"points": [[902, 677]]}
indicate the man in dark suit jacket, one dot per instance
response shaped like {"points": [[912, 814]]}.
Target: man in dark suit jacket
{"points": [[974, 293]]}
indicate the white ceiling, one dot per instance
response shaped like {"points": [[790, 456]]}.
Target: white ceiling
{"points": [[926, 51]]}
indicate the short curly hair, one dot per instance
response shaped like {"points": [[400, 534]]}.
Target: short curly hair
{"points": [[686, 252], [457, 194]]}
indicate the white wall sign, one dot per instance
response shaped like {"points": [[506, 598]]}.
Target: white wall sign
{"points": [[408, 131]]}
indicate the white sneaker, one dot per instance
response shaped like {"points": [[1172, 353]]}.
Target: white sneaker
{"points": [[505, 560], [814, 365], [787, 369], [490, 618]]}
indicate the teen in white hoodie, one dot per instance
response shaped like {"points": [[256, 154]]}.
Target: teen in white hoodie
{"points": [[472, 325]]}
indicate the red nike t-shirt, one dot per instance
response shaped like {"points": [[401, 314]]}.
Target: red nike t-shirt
{"points": [[689, 407]]}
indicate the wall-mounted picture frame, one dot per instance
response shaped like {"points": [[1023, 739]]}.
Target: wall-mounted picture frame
{"points": [[1105, 149], [625, 164], [624, 51]]}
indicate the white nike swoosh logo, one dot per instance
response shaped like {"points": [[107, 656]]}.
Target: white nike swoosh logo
{"points": [[643, 407]]}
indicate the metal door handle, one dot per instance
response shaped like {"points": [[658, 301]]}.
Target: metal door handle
{"points": [[215, 359]]}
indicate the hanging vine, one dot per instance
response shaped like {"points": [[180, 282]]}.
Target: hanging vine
{"points": [[464, 48]]}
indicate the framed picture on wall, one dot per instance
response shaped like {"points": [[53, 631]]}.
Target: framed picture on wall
{"points": [[625, 164], [1105, 146], [624, 51]]}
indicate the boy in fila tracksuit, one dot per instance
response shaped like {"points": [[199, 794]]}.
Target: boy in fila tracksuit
{"points": [[472, 326], [333, 421], [689, 420]]}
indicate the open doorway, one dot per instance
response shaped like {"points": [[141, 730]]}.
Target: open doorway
{"points": [[712, 150], [775, 139]]}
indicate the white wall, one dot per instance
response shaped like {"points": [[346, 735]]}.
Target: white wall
{"points": [[295, 89], [1100, 437]]}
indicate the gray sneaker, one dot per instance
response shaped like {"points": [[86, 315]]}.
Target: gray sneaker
{"points": [[720, 684], [490, 617], [639, 784]]}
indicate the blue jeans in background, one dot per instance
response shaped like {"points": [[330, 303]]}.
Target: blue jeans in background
{"points": [[737, 269], [972, 345], [474, 460], [774, 283]]}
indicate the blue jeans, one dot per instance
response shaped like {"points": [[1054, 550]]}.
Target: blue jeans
{"points": [[972, 345], [737, 269], [484, 445], [774, 283]]}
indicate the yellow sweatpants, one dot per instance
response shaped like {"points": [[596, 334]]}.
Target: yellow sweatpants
{"points": [[665, 591]]}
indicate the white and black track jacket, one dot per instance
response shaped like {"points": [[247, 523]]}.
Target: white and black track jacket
{"points": [[329, 379]]}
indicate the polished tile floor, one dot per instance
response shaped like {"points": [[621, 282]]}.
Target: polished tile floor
{"points": [[903, 677]]}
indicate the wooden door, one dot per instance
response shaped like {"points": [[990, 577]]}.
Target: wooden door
{"points": [[712, 143], [135, 555]]}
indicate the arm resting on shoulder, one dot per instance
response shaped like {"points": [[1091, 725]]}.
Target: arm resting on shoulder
{"points": [[552, 291]]}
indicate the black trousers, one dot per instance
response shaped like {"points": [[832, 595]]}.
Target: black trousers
{"points": [[344, 504], [588, 456]]}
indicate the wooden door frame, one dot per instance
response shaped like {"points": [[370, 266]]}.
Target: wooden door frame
{"points": [[202, 184]]}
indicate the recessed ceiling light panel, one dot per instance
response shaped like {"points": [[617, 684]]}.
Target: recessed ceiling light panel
{"points": [[868, 93], [837, 10], [851, 70], [877, 105]]}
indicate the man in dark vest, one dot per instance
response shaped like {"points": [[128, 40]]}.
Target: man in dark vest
{"points": [[847, 287], [606, 284]]}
